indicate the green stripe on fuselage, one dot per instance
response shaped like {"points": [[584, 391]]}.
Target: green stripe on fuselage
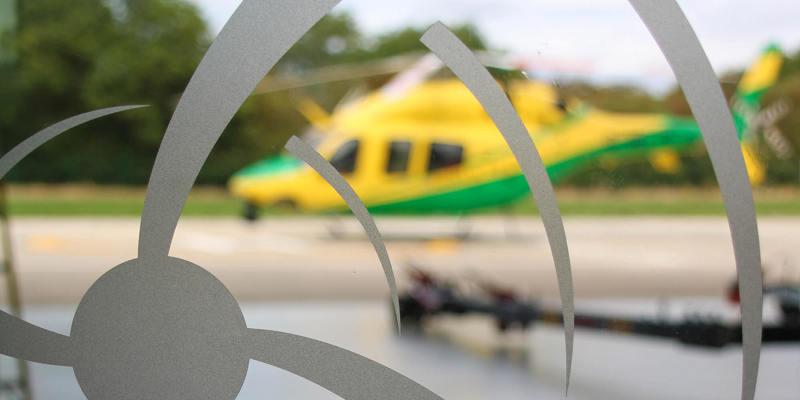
{"points": [[487, 194], [271, 166], [679, 133]]}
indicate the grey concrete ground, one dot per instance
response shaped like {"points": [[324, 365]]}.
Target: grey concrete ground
{"points": [[293, 275], [300, 259], [466, 359]]}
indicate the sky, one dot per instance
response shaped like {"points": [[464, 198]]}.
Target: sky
{"points": [[600, 39]]}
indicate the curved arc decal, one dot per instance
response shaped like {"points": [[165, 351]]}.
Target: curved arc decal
{"points": [[347, 374], [307, 153], [250, 44], [674, 35], [474, 75], [29, 342], [20, 151], [21, 339]]}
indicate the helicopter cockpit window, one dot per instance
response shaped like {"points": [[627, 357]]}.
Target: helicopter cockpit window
{"points": [[344, 160], [444, 155], [398, 156]]}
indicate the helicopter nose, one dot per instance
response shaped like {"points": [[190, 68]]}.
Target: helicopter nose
{"points": [[238, 186]]}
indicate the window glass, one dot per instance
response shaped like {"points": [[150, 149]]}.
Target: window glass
{"points": [[344, 160], [398, 156], [444, 155], [472, 255]]}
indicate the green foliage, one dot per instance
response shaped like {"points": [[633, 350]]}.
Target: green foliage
{"points": [[614, 98], [407, 41], [335, 39], [674, 102], [80, 55], [156, 47], [695, 170]]}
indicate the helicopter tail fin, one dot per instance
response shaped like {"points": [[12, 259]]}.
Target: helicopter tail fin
{"points": [[746, 106], [756, 169], [754, 83]]}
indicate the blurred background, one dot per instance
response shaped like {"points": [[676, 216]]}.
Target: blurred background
{"points": [[646, 224]]}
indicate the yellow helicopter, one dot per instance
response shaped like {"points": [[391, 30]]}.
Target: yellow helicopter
{"points": [[422, 145]]}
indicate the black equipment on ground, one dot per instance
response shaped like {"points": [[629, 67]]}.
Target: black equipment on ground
{"points": [[428, 298]]}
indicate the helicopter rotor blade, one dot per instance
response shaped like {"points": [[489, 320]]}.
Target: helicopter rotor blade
{"points": [[334, 73]]}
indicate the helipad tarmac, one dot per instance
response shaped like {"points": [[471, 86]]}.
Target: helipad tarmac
{"points": [[320, 258], [320, 277]]}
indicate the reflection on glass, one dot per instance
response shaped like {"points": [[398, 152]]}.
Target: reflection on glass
{"points": [[398, 156], [443, 155], [344, 159]]}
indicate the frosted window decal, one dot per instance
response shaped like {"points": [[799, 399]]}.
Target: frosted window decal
{"points": [[307, 153], [463, 63], [253, 40], [134, 335], [680, 45], [30, 144]]}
